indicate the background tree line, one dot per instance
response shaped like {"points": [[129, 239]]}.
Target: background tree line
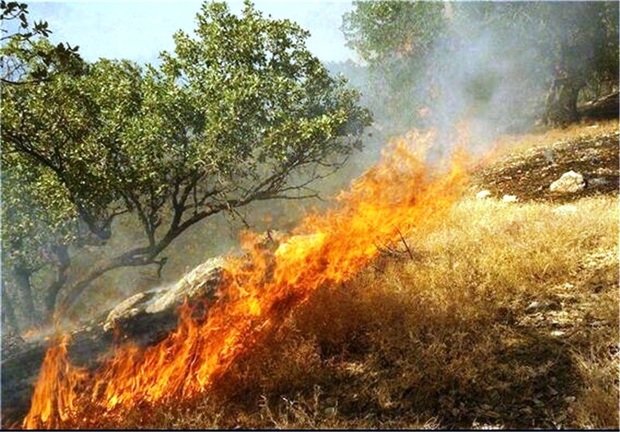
{"points": [[549, 56]]}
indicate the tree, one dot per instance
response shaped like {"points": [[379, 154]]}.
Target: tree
{"points": [[26, 58], [56, 196], [22, 59], [555, 49], [586, 52], [241, 112], [395, 39]]}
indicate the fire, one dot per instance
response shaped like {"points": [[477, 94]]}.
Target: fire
{"points": [[54, 396], [398, 194]]}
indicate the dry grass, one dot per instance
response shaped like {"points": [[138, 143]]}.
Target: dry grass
{"points": [[507, 316]]}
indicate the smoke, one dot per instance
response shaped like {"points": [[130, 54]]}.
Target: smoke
{"points": [[490, 68], [484, 76]]}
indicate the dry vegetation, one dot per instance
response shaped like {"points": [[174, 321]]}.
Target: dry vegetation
{"points": [[505, 316]]}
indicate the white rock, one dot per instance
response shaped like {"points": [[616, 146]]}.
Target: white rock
{"points": [[203, 280], [532, 306], [331, 411], [483, 194], [570, 182], [510, 198], [124, 308]]}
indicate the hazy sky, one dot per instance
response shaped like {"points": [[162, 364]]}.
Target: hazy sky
{"points": [[140, 29]]}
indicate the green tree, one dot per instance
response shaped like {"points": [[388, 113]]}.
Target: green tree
{"points": [[395, 39], [26, 58], [22, 59], [584, 52], [241, 112]]}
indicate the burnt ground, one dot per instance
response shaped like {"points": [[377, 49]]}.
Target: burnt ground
{"points": [[528, 174]]}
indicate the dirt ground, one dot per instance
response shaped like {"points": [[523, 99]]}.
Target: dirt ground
{"points": [[528, 174]]}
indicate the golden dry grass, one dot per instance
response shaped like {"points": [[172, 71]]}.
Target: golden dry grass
{"points": [[504, 316]]}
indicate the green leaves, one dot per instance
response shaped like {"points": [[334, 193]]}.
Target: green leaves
{"points": [[26, 56], [228, 118], [253, 77]]}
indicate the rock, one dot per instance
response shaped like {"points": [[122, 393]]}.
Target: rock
{"points": [[598, 181], [144, 319], [483, 194], [548, 153], [202, 281], [510, 198], [331, 411], [570, 182], [123, 310]]}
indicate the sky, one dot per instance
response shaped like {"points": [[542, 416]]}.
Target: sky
{"points": [[138, 29]]}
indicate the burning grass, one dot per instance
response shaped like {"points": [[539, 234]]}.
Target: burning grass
{"points": [[507, 316], [257, 297], [487, 313]]}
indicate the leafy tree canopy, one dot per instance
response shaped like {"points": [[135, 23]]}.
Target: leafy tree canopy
{"points": [[241, 111], [22, 58]]}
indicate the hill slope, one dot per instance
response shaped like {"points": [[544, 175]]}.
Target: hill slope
{"points": [[504, 315]]}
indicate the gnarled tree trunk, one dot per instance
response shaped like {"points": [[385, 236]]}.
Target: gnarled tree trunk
{"points": [[18, 282], [561, 106]]}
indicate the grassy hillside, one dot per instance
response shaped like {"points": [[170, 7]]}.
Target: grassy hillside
{"points": [[506, 315]]}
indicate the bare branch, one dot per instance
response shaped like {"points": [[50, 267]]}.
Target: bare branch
{"points": [[405, 243]]}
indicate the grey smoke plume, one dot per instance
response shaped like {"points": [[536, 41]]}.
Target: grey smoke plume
{"points": [[492, 66], [483, 76]]}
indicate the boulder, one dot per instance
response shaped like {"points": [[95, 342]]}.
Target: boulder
{"points": [[203, 282], [144, 319], [570, 182], [510, 198]]}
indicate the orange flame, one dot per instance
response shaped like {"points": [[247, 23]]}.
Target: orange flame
{"points": [[395, 196], [54, 395]]}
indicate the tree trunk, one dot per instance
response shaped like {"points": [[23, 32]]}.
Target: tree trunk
{"points": [[62, 255], [561, 103], [26, 310], [9, 320], [569, 101]]}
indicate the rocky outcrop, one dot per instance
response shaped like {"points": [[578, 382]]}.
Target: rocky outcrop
{"points": [[593, 153], [570, 182], [483, 194]]}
